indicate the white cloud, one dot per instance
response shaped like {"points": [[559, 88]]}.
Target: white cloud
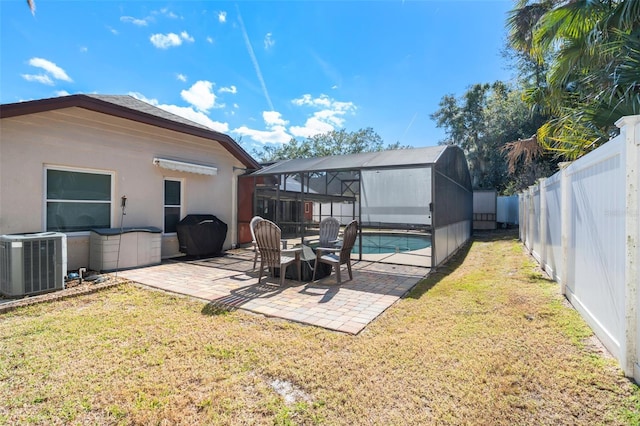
{"points": [[186, 37], [38, 78], [269, 42], [313, 126], [276, 131], [322, 101], [165, 41], [210, 40], [273, 118], [51, 68], [236, 106], [84, 49], [200, 95], [112, 30], [276, 135], [166, 12], [135, 21], [62, 93], [231, 89], [181, 77], [222, 17], [329, 115], [187, 112]]}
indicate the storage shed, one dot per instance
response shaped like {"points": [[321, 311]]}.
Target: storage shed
{"points": [[420, 191]]}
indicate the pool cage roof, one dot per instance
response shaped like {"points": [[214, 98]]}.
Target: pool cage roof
{"points": [[380, 159], [345, 181]]}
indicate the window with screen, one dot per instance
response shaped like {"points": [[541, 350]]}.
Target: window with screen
{"points": [[77, 200], [172, 204]]}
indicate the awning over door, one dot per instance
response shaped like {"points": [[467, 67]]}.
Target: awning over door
{"points": [[183, 166]]}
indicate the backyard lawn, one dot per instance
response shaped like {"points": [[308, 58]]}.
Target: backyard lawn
{"points": [[486, 340]]}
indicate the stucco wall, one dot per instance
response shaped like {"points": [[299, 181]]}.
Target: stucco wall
{"points": [[83, 139]]}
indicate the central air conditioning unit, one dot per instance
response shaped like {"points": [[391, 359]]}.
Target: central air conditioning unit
{"points": [[32, 263]]}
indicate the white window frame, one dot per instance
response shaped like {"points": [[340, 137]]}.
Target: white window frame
{"points": [[164, 205], [46, 200]]}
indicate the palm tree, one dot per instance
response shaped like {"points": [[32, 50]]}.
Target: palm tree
{"points": [[592, 48]]}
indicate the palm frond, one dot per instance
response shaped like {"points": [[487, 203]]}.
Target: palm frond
{"points": [[522, 150], [571, 21], [625, 16], [522, 21], [573, 134]]}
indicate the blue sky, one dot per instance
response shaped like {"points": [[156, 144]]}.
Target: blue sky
{"points": [[261, 71]]}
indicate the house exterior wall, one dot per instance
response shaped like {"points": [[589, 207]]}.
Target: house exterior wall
{"points": [[81, 139]]}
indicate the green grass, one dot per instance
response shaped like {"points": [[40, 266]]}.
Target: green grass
{"points": [[486, 339]]}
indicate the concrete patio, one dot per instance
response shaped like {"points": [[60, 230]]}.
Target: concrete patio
{"points": [[229, 282]]}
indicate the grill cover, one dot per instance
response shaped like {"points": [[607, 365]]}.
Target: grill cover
{"points": [[201, 235]]}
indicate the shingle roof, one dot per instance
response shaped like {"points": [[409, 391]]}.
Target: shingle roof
{"points": [[136, 104], [128, 107]]}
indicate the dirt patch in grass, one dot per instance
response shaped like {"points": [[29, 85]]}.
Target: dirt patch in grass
{"points": [[486, 339]]}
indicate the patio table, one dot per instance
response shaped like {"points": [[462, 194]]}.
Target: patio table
{"points": [[308, 258]]}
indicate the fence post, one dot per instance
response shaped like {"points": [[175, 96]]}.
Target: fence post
{"points": [[532, 217], [522, 223], [629, 130], [565, 224], [542, 224]]}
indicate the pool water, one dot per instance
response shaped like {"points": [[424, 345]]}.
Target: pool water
{"points": [[391, 243]]}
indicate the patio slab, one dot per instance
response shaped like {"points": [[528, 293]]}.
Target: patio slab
{"points": [[229, 282]]}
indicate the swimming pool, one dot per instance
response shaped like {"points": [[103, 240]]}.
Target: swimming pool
{"points": [[391, 243]]}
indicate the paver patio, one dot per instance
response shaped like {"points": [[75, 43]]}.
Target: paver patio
{"points": [[230, 282]]}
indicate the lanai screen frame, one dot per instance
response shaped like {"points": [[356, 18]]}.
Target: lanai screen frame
{"points": [[451, 213], [453, 204]]}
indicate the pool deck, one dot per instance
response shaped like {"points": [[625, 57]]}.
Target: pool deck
{"points": [[420, 257]]}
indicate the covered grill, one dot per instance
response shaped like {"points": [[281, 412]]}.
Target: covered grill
{"points": [[201, 235]]}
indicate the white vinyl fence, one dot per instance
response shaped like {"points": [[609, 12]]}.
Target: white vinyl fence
{"points": [[582, 225], [508, 210]]}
